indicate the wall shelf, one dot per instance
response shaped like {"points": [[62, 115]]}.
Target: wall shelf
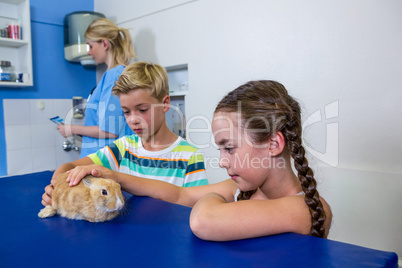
{"points": [[8, 42], [178, 93], [14, 84], [18, 52]]}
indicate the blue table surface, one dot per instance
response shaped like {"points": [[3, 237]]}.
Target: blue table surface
{"points": [[150, 233]]}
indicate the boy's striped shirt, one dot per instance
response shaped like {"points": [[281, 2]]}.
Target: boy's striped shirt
{"points": [[180, 164]]}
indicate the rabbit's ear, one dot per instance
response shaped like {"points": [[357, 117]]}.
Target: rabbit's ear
{"points": [[87, 182]]}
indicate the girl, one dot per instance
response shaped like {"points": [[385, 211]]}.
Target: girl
{"points": [[257, 128], [104, 120]]}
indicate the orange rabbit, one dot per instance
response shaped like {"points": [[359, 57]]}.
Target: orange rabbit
{"points": [[93, 199]]}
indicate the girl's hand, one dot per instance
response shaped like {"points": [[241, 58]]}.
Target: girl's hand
{"points": [[78, 173]]}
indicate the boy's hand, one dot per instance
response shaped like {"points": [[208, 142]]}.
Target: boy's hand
{"points": [[47, 196], [78, 173]]}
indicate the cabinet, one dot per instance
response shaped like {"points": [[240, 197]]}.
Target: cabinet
{"points": [[17, 51], [178, 88]]}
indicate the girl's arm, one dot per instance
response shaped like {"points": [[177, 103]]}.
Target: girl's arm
{"points": [[212, 218], [89, 131], [186, 196]]}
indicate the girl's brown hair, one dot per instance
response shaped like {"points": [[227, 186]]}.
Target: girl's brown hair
{"points": [[120, 42], [267, 107]]}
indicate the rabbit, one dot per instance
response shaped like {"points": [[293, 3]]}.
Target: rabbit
{"points": [[93, 199]]}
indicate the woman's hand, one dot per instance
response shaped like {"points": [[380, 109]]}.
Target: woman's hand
{"points": [[78, 173], [65, 130]]}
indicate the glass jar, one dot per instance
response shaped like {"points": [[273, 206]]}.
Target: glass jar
{"points": [[6, 71]]}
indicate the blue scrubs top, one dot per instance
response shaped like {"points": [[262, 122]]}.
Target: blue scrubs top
{"points": [[103, 110]]}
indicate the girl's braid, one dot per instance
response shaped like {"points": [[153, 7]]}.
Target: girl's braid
{"points": [[292, 133]]}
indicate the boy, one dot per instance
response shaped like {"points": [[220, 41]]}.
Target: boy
{"points": [[155, 152]]}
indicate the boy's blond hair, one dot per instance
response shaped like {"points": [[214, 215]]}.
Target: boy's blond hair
{"points": [[143, 75]]}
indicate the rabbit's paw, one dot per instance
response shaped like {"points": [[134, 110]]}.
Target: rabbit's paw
{"points": [[47, 212]]}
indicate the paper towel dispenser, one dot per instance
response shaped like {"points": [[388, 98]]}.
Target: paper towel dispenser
{"points": [[75, 45]]}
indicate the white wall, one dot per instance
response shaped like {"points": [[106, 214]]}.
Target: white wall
{"points": [[342, 59], [33, 142]]}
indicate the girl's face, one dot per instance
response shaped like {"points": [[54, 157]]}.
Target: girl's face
{"points": [[246, 163], [98, 51], [144, 114]]}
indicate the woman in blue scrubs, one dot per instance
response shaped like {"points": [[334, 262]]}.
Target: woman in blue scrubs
{"points": [[104, 119]]}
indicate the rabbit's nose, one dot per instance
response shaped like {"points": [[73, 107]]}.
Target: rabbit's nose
{"points": [[119, 204]]}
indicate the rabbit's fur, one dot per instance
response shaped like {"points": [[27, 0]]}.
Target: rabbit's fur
{"points": [[93, 199]]}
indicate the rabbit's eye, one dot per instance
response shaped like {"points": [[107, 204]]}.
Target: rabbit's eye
{"points": [[104, 192]]}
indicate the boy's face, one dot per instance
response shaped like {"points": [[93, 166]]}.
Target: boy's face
{"points": [[144, 114]]}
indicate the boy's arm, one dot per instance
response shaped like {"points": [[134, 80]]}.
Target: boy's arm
{"points": [[186, 196], [68, 166], [47, 196], [132, 184]]}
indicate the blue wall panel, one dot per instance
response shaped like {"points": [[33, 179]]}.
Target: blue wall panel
{"points": [[53, 12], [54, 77]]}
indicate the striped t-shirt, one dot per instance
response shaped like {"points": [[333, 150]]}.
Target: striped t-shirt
{"points": [[181, 164]]}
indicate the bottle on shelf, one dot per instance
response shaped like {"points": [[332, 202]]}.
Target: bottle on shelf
{"points": [[6, 71]]}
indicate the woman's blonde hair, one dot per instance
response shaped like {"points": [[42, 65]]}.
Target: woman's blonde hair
{"points": [[143, 75], [120, 42]]}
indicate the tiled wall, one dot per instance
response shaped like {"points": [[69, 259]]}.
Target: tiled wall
{"points": [[32, 140]]}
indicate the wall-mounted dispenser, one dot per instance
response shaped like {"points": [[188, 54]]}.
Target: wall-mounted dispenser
{"points": [[78, 107], [75, 45]]}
